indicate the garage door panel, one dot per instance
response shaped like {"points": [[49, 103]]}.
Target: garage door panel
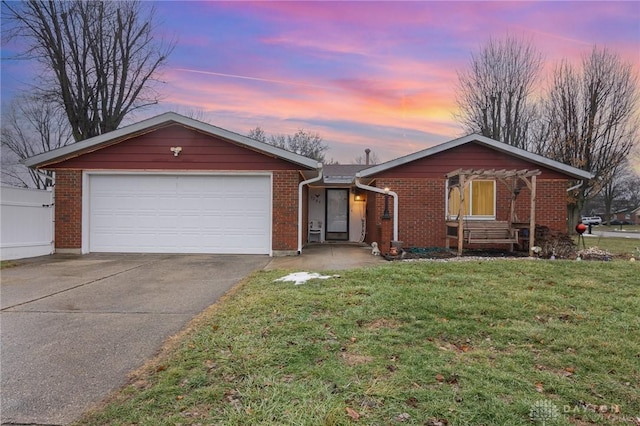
{"points": [[180, 214]]}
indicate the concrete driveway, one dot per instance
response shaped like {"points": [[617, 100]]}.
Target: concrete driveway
{"points": [[73, 327]]}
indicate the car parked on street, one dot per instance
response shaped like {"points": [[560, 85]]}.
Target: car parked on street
{"points": [[592, 220], [620, 222]]}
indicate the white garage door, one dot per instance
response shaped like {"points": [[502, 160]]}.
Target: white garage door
{"points": [[179, 214]]}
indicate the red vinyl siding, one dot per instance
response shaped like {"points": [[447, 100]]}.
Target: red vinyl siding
{"points": [[467, 156], [151, 151]]}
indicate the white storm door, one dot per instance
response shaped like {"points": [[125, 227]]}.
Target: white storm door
{"points": [[337, 214]]}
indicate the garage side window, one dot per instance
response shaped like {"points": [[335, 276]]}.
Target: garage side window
{"points": [[479, 200]]}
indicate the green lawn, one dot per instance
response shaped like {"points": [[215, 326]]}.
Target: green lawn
{"points": [[492, 342], [614, 228], [622, 247], [4, 264]]}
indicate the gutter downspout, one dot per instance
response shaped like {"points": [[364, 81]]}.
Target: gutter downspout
{"points": [[303, 183], [580, 183], [383, 192]]}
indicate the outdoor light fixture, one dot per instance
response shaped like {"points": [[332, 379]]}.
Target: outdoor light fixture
{"points": [[176, 150], [358, 196], [385, 214]]}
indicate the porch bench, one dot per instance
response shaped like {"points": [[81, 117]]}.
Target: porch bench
{"points": [[485, 232]]}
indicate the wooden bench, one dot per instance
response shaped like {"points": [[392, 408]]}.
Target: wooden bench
{"points": [[484, 232]]}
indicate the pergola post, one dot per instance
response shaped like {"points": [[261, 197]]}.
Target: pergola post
{"points": [[532, 216], [512, 205], [461, 214]]}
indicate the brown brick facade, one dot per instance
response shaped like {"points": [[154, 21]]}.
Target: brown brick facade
{"points": [[285, 211], [551, 204], [68, 209], [421, 205]]}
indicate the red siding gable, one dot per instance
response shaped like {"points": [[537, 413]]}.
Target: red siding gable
{"points": [[467, 156], [151, 151]]}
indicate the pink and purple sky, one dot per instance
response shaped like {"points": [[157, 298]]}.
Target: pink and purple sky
{"points": [[377, 75]]}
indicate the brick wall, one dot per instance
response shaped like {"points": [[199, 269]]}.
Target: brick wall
{"points": [[68, 208], [421, 210], [551, 204], [285, 210], [421, 205]]}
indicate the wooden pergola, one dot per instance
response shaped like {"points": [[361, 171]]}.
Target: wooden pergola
{"points": [[512, 179]]}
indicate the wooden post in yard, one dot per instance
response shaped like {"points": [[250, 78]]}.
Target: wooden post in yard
{"points": [[461, 213], [532, 216]]}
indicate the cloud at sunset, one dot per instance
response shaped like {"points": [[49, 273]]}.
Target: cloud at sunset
{"points": [[380, 75]]}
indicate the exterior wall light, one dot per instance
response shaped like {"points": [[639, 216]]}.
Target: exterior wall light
{"points": [[176, 150], [385, 214]]}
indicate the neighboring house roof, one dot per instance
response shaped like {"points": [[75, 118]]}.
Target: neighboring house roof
{"points": [[91, 144], [341, 173], [482, 140], [627, 210], [336, 174]]}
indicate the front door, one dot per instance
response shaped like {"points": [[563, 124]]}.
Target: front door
{"points": [[337, 214]]}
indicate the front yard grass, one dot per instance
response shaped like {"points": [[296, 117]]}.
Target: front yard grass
{"points": [[5, 264], [618, 228], [483, 342], [622, 247]]}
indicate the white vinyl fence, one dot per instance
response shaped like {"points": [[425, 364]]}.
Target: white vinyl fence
{"points": [[27, 223]]}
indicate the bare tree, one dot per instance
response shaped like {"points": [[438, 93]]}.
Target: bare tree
{"points": [[592, 121], [622, 193], [30, 127], [308, 144], [302, 142], [198, 114], [615, 192], [99, 58], [494, 93], [631, 192], [258, 134]]}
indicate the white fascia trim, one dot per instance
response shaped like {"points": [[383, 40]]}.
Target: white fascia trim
{"points": [[178, 172], [271, 215], [84, 245], [167, 118]]}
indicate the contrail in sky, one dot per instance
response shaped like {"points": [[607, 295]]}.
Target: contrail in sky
{"points": [[244, 77]]}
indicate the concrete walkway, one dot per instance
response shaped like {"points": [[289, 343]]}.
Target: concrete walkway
{"points": [[327, 257]]}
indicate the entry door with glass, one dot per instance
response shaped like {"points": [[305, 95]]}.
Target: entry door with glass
{"points": [[337, 219]]}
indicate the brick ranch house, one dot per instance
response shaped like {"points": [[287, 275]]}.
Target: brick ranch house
{"points": [[171, 184]]}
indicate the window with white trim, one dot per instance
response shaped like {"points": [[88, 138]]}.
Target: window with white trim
{"points": [[479, 200]]}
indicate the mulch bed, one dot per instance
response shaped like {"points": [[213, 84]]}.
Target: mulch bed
{"points": [[412, 253]]}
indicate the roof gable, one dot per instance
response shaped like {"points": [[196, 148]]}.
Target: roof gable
{"points": [[155, 123], [484, 141]]}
